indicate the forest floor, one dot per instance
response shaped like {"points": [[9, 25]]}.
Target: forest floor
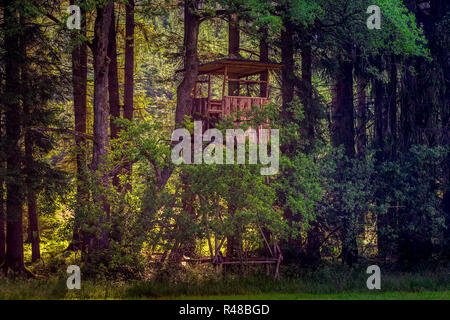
{"points": [[324, 284]]}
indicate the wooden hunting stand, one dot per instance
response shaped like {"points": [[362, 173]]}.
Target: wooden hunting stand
{"points": [[210, 108], [234, 74]]}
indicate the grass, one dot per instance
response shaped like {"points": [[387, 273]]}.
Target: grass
{"points": [[425, 295], [322, 284]]}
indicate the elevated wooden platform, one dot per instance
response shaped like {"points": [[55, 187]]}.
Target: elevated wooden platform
{"points": [[233, 71]]}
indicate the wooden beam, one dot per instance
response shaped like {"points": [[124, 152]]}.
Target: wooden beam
{"points": [[249, 262], [246, 81], [265, 240], [209, 87], [225, 76], [218, 249]]}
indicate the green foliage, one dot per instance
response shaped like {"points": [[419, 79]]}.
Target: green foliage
{"points": [[318, 187], [409, 195], [399, 33]]}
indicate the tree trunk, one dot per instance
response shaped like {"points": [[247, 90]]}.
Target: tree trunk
{"points": [[2, 212], [113, 86], [113, 81], [380, 110], [287, 76], [408, 107], [386, 124], [33, 227], [343, 134], [129, 62], [33, 223], [191, 29], [79, 83], [14, 184], [310, 111], [101, 67], [342, 110], [288, 82], [233, 49], [439, 9], [263, 57], [417, 108], [313, 245], [314, 234], [101, 111], [191, 61], [391, 126], [31, 175], [361, 115], [233, 242], [128, 106]]}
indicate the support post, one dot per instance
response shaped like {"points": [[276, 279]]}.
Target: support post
{"points": [[225, 76], [195, 89]]}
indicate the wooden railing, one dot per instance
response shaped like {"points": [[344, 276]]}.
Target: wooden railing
{"points": [[228, 105], [233, 104]]}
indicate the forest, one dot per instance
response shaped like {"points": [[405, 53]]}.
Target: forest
{"points": [[97, 96]]}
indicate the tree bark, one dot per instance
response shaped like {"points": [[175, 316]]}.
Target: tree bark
{"points": [[342, 110], [2, 213], [113, 81], [233, 49], [128, 106], [113, 86], [380, 109], [385, 141], [33, 222], [408, 107], [101, 67], [343, 134], [191, 61], [101, 111], [14, 184], [233, 241], [310, 111], [314, 234], [391, 126], [287, 59], [33, 227], [288, 83], [79, 83], [361, 117], [2, 202], [313, 245], [28, 102], [191, 29], [263, 57]]}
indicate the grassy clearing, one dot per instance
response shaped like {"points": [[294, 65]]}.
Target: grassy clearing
{"points": [[425, 295], [324, 284]]}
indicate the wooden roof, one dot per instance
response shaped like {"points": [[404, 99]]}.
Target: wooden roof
{"points": [[236, 67]]}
